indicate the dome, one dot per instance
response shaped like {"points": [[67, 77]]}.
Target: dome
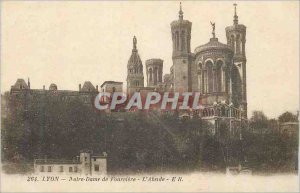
{"points": [[88, 87], [180, 23], [213, 44], [239, 27], [53, 86]]}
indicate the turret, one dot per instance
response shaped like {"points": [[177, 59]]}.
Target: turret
{"points": [[135, 76], [236, 39], [154, 71], [182, 57], [181, 35]]}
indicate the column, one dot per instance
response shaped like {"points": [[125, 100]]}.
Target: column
{"points": [[223, 79], [214, 79], [199, 81], [205, 81], [155, 76]]}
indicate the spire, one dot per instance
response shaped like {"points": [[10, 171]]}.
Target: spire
{"points": [[180, 13], [134, 43], [134, 58], [235, 20]]}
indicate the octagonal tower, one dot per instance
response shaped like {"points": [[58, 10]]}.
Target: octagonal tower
{"points": [[182, 56]]}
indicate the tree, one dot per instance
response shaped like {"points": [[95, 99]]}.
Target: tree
{"points": [[273, 125], [259, 121], [287, 117]]}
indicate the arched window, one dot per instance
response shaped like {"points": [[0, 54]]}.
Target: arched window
{"points": [[150, 74], [232, 42], [218, 79], [204, 113], [159, 75], [204, 81], [177, 40], [223, 111], [210, 80], [199, 66], [141, 69], [238, 49], [155, 75], [200, 87], [182, 40]]}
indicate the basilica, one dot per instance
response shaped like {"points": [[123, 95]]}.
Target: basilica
{"points": [[215, 69]]}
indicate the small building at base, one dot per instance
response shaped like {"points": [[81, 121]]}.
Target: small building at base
{"points": [[84, 164]]}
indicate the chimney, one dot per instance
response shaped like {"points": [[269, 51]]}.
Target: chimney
{"points": [[28, 83], [79, 87], [43, 87], [97, 88]]}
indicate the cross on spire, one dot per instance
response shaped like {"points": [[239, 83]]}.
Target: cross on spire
{"points": [[235, 18], [180, 13], [234, 8]]}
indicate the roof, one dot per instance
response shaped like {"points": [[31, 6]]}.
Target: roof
{"points": [[88, 87], [290, 123], [110, 82], [213, 44], [239, 27], [155, 61], [180, 23], [99, 156], [134, 59], [20, 83], [53, 86]]}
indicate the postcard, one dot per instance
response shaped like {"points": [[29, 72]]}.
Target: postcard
{"points": [[149, 96]]}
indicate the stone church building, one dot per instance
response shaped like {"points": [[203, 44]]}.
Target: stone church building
{"points": [[216, 70]]}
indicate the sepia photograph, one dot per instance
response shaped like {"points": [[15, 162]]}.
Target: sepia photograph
{"points": [[149, 96]]}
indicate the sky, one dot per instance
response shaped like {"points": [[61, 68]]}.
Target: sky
{"points": [[69, 42]]}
